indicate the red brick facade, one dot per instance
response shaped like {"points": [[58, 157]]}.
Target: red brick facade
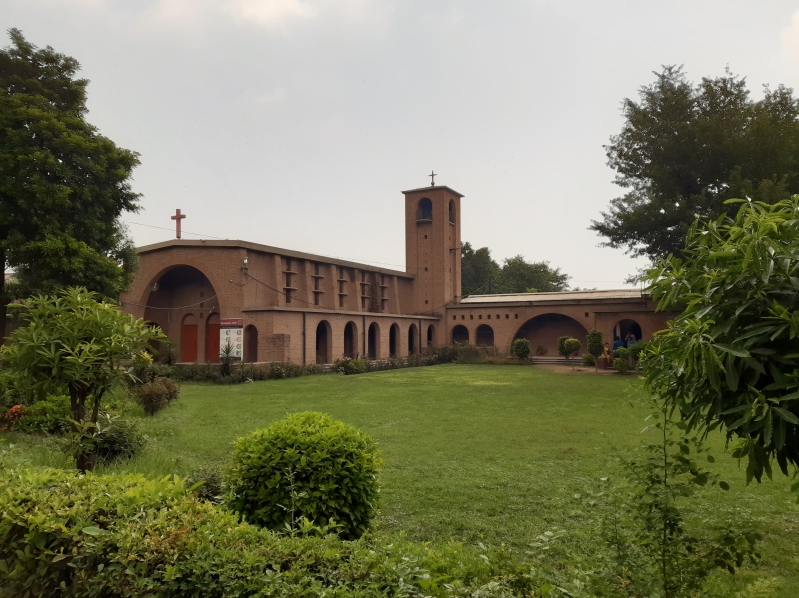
{"points": [[306, 308]]}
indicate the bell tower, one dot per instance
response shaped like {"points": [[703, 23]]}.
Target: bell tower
{"points": [[433, 246]]}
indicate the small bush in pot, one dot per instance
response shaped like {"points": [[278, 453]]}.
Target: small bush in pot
{"points": [[589, 360], [306, 466]]}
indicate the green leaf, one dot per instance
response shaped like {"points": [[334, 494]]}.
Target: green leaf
{"points": [[737, 351], [786, 415], [93, 530]]}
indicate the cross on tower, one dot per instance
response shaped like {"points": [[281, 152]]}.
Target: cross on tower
{"points": [[432, 176], [177, 218]]}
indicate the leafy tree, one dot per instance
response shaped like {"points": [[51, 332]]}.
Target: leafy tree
{"points": [[595, 346], [479, 272], [75, 345], [571, 346], [63, 185], [729, 361], [685, 149], [481, 275], [520, 276]]}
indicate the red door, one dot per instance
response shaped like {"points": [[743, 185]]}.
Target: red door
{"points": [[212, 339], [188, 343]]}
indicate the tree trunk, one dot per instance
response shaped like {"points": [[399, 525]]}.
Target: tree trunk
{"points": [[86, 462]]}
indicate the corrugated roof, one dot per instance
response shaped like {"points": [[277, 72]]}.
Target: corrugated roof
{"points": [[618, 294]]}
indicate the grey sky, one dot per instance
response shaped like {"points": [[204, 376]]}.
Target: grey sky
{"points": [[297, 123]]}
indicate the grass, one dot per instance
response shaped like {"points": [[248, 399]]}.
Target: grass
{"points": [[475, 453]]}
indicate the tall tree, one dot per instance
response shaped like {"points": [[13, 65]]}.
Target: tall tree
{"points": [[520, 276], [63, 186], [685, 149], [481, 275], [479, 272]]}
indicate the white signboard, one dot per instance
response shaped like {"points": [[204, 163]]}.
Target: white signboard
{"points": [[231, 330]]}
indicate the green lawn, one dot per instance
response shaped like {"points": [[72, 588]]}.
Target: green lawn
{"points": [[491, 454]]}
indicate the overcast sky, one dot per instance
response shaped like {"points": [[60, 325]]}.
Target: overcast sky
{"points": [[296, 123]]}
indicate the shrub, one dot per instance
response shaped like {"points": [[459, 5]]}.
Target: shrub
{"points": [[595, 345], [50, 416], [154, 396], [305, 466], [467, 353], [119, 439], [571, 346], [126, 535], [621, 364], [445, 354], [348, 366], [11, 418], [589, 360], [520, 347], [11, 392], [637, 349], [211, 484], [623, 352]]}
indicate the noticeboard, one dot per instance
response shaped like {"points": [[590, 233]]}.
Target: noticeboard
{"points": [[232, 330]]}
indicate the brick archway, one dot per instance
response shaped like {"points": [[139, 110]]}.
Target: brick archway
{"points": [[544, 330]]}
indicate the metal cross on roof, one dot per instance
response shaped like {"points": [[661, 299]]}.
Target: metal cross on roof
{"points": [[432, 176], [177, 218]]}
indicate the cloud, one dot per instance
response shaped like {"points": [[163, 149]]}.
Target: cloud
{"points": [[790, 38], [270, 13]]}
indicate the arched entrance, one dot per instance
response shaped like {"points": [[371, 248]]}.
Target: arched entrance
{"points": [[460, 334], [350, 340], [323, 338], [250, 344], [177, 292], [484, 336], [393, 337], [543, 332], [188, 339], [431, 335], [627, 328], [413, 332], [374, 341], [212, 338]]}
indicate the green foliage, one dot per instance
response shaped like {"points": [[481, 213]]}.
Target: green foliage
{"points": [[118, 439], [348, 366], [154, 396], [521, 348], [684, 149], [730, 359], [49, 416], [207, 483], [73, 344], [12, 390], [572, 346], [481, 275], [128, 535], [621, 364], [562, 344], [467, 353], [306, 466], [64, 187], [595, 345], [226, 358], [653, 550], [589, 360]]}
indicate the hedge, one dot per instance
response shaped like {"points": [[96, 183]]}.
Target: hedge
{"points": [[124, 535]]}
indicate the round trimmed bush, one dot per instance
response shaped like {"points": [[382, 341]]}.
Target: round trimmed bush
{"points": [[521, 348], [306, 465]]}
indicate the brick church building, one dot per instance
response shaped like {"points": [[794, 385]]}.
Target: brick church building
{"points": [[284, 305]]}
